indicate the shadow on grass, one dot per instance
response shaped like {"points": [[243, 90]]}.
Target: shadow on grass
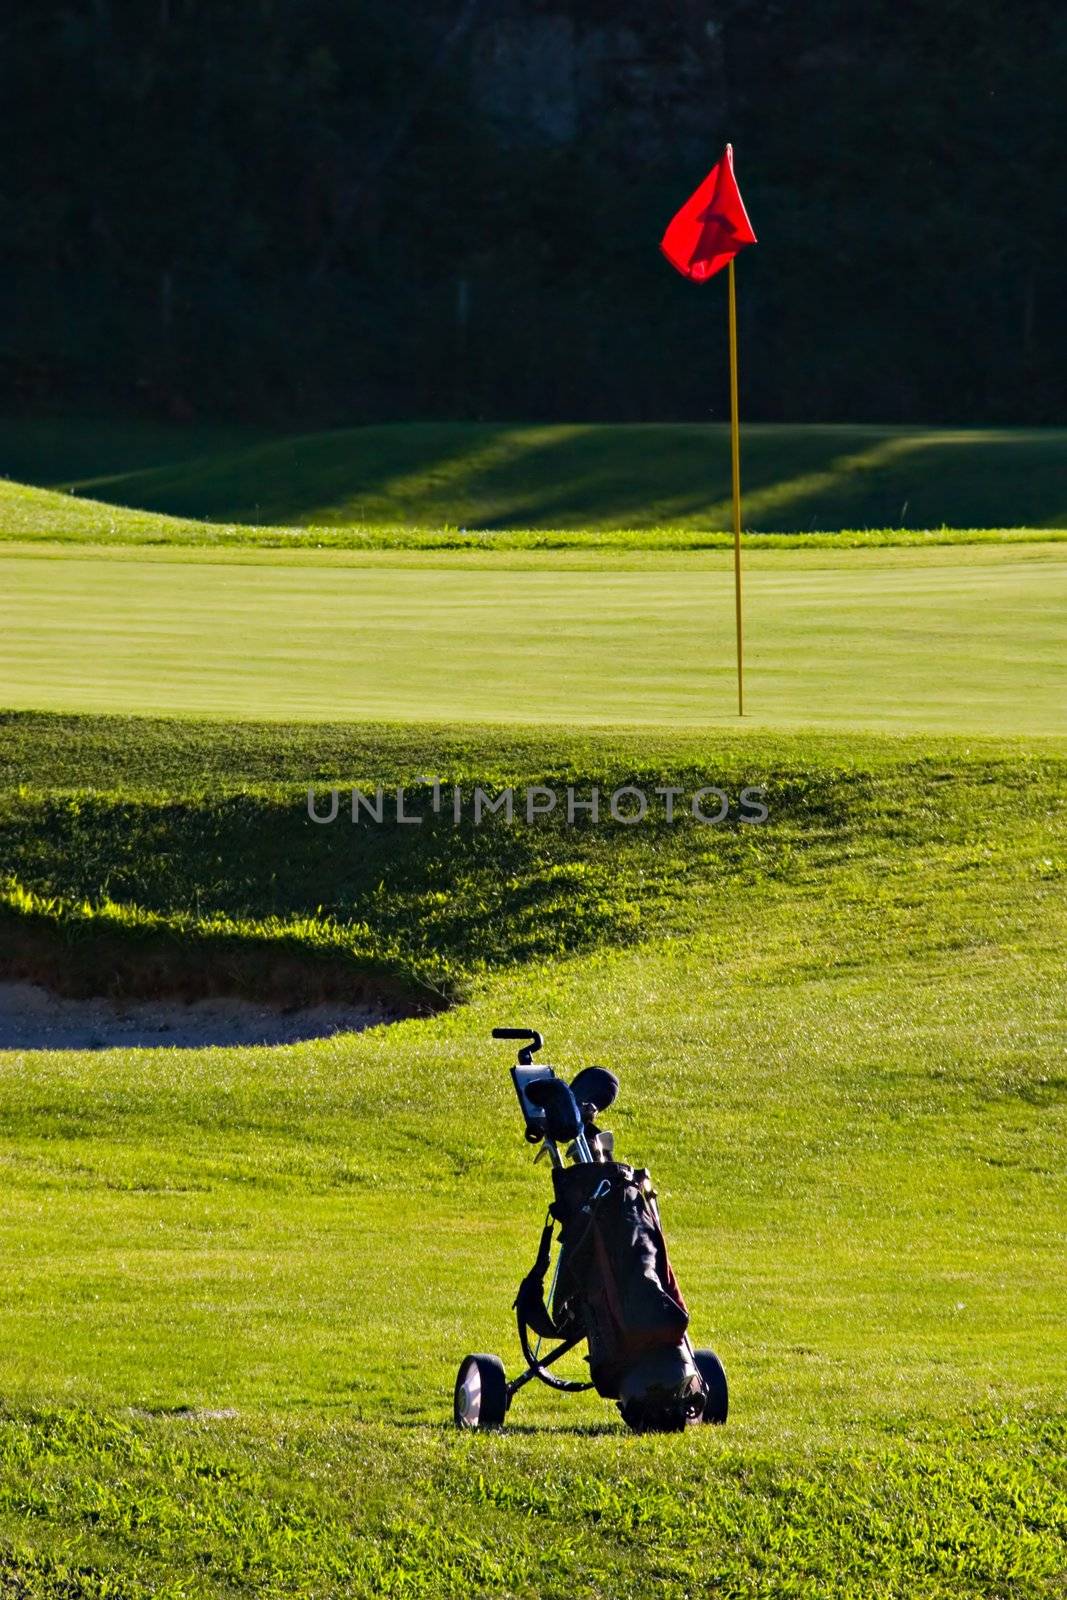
{"points": [[501, 476], [436, 901]]}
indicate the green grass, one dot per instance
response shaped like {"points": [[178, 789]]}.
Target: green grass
{"points": [[841, 1043], [964, 640], [235, 1285], [82, 947], [187, 856], [49, 516], [222, 1509], [668, 483]]}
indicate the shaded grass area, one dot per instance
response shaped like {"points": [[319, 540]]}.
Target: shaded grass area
{"points": [[142, 832], [210, 853], [31, 515], [667, 482], [172, 1507], [97, 946]]}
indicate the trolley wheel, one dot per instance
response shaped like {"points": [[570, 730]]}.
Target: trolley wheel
{"points": [[481, 1398], [713, 1376]]}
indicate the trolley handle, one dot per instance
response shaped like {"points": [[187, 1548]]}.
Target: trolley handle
{"points": [[533, 1043]]}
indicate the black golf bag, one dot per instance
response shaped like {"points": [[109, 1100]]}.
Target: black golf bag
{"points": [[615, 1287]]}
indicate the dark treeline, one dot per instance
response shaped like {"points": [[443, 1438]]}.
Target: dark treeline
{"points": [[336, 209]]}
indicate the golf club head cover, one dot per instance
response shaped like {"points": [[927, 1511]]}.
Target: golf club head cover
{"points": [[596, 1087], [563, 1119]]}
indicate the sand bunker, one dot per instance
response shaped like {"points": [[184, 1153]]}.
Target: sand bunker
{"points": [[33, 1018]]}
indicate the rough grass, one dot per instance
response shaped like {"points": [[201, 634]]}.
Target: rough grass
{"points": [[176, 857], [86, 947], [840, 1038], [220, 1509], [661, 485]]}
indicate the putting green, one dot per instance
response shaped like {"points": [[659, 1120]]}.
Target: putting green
{"points": [[967, 639]]}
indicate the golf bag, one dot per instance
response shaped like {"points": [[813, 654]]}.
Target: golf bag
{"points": [[616, 1288]]}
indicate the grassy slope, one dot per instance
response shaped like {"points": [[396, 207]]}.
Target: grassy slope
{"points": [[841, 1050], [965, 640], [31, 515], [668, 480], [841, 1035]]}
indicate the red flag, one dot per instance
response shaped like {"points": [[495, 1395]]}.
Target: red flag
{"points": [[711, 227]]}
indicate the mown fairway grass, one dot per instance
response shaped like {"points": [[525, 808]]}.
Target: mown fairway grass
{"points": [[954, 639], [841, 1042]]}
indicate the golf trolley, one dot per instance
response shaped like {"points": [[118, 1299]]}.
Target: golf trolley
{"points": [[613, 1285]]}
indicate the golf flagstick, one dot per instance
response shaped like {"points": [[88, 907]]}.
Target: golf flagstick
{"points": [[735, 463], [701, 239]]}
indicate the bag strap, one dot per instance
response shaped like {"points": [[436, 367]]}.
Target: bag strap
{"points": [[530, 1300]]}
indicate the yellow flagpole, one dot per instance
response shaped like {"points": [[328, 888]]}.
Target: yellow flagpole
{"points": [[735, 454]]}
